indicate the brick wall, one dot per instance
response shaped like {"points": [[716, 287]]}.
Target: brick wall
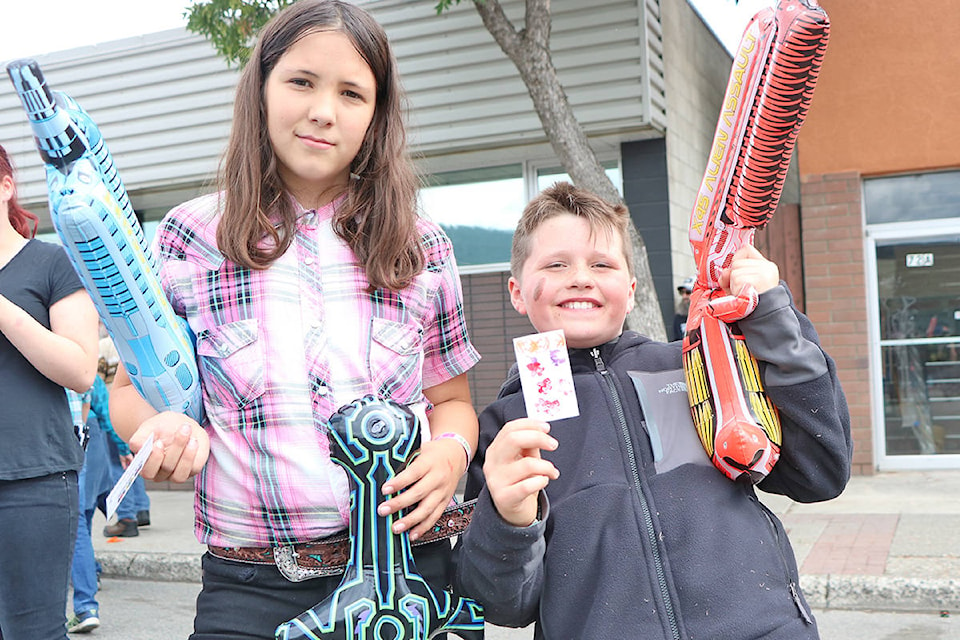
{"points": [[493, 324], [835, 289]]}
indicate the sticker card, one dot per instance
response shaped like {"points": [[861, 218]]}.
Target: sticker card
{"points": [[545, 376], [129, 475]]}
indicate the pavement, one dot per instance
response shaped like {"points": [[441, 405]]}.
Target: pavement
{"points": [[890, 542]]}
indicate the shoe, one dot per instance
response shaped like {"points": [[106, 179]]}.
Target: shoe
{"points": [[83, 622], [123, 528], [143, 518]]}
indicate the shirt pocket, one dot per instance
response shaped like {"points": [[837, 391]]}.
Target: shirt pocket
{"points": [[667, 420], [232, 363], [396, 360]]}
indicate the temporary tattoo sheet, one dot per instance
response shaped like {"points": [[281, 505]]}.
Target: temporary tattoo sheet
{"points": [[545, 376]]}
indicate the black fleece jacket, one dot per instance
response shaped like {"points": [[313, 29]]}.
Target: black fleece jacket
{"points": [[640, 536]]}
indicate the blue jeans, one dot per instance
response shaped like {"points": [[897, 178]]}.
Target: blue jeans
{"points": [[85, 568], [38, 526], [94, 486]]}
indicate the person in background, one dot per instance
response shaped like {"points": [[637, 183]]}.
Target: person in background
{"points": [[48, 342], [683, 308], [94, 483]]}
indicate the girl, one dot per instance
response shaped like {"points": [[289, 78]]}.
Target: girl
{"points": [[309, 282], [48, 341]]}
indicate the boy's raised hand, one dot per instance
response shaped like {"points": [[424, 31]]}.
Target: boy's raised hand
{"points": [[514, 471], [749, 267]]}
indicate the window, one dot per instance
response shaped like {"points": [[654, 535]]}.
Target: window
{"points": [[547, 177], [924, 196], [479, 208]]}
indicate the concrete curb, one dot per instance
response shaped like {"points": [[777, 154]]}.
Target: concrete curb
{"points": [[884, 593], [161, 567]]}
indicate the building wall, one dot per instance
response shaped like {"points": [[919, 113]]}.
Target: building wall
{"points": [[646, 193], [696, 70], [885, 104], [887, 97], [466, 94], [836, 292], [493, 323]]}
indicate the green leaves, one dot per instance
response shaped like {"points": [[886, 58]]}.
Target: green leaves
{"points": [[443, 5], [231, 25]]}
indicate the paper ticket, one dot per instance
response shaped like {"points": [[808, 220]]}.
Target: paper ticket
{"points": [[129, 475], [545, 376]]}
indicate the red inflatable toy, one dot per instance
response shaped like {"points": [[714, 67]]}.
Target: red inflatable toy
{"points": [[771, 83]]}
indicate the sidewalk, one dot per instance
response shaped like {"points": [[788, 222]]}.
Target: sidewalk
{"points": [[890, 542]]}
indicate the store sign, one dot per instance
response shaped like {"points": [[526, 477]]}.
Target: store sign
{"points": [[919, 260]]}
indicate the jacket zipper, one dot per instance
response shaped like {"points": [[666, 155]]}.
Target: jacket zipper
{"points": [[647, 517], [791, 585]]}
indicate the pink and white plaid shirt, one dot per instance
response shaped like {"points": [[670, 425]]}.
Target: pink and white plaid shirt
{"points": [[282, 349]]}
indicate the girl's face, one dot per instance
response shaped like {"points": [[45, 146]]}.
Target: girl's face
{"points": [[575, 280], [319, 100]]}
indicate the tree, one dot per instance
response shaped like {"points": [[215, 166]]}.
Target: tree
{"points": [[228, 22], [230, 25]]}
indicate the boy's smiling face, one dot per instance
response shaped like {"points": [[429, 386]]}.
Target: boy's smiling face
{"points": [[575, 279]]}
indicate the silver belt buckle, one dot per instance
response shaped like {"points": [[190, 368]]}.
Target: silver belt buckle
{"points": [[285, 558]]}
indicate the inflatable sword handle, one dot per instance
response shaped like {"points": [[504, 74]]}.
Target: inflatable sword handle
{"points": [[774, 73], [381, 594], [93, 217]]}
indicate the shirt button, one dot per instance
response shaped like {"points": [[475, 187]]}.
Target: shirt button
{"points": [[308, 260]]}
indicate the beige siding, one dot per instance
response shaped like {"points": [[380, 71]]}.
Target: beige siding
{"points": [[163, 101], [697, 68], [466, 94]]}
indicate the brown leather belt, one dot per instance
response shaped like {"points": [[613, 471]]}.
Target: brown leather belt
{"points": [[330, 556]]}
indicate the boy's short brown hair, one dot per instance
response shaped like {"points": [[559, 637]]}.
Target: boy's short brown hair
{"points": [[564, 197]]}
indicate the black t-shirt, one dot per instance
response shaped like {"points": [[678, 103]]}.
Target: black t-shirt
{"points": [[36, 432]]}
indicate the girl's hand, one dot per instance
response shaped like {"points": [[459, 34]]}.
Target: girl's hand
{"points": [[430, 480], [180, 447], [514, 471], [126, 460]]}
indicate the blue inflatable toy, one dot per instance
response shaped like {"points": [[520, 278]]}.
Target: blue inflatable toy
{"points": [[93, 217], [381, 595]]}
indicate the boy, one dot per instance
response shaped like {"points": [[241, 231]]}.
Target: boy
{"points": [[614, 524]]}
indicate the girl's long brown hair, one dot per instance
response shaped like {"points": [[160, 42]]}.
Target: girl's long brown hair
{"points": [[20, 218], [378, 217]]}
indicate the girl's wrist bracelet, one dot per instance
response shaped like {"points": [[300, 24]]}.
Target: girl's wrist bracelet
{"points": [[463, 443]]}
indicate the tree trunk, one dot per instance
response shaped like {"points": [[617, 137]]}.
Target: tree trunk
{"points": [[529, 49]]}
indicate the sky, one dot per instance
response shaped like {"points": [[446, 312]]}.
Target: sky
{"points": [[34, 27]]}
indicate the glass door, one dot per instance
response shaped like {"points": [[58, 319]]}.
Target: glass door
{"points": [[918, 296]]}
